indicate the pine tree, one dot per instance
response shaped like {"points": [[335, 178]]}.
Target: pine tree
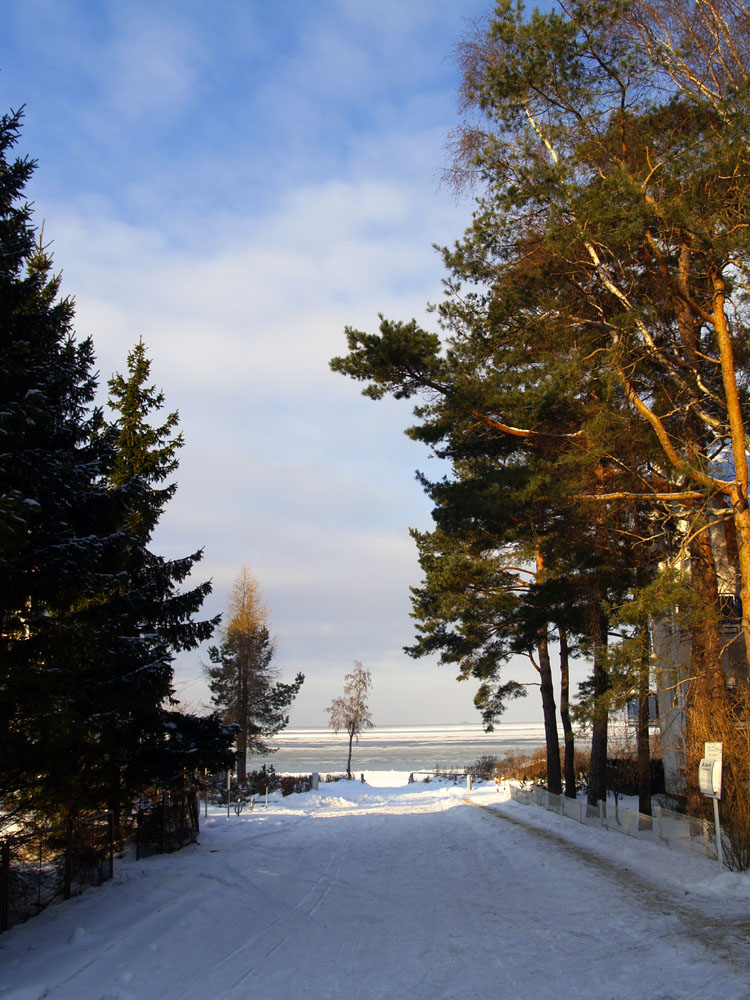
{"points": [[244, 683], [594, 327]]}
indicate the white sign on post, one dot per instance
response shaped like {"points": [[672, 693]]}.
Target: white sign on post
{"points": [[713, 752], [709, 782], [709, 778]]}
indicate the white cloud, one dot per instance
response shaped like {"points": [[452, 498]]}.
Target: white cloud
{"points": [[150, 63], [236, 186]]}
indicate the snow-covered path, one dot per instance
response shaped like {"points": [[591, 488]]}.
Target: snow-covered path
{"points": [[393, 893]]}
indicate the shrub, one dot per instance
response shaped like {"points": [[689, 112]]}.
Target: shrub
{"points": [[483, 767], [291, 783]]}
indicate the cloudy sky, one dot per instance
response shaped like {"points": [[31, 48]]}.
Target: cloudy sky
{"points": [[235, 182]]}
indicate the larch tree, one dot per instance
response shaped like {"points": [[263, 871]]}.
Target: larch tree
{"points": [[244, 682], [349, 713]]}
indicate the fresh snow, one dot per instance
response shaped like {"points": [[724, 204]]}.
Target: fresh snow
{"points": [[387, 890]]}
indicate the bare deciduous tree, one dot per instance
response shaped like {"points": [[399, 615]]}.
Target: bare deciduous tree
{"points": [[349, 713]]}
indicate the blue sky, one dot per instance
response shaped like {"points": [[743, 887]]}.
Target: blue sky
{"points": [[235, 183]]}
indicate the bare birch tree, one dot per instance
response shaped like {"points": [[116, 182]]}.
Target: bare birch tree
{"points": [[349, 713]]}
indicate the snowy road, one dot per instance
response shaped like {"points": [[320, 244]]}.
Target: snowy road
{"points": [[393, 893]]}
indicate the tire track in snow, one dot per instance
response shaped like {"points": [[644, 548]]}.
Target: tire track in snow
{"points": [[721, 935]]}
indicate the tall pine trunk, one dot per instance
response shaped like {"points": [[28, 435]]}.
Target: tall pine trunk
{"points": [[598, 767], [554, 778], [570, 756], [738, 493], [549, 710], [642, 737], [707, 690]]}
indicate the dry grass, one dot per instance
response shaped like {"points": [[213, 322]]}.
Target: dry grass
{"points": [[724, 718]]}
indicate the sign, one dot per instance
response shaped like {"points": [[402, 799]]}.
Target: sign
{"points": [[709, 782], [709, 778], [712, 752]]}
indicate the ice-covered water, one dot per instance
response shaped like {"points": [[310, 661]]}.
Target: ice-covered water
{"points": [[400, 748]]}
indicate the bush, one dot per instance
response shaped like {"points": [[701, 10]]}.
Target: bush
{"points": [[623, 778], [263, 780], [521, 767], [290, 783], [483, 768]]}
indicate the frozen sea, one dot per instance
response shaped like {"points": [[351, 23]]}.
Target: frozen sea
{"points": [[400, 748]]}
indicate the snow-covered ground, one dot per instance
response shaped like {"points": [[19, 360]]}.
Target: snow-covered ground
{"points": [[390, 891]]}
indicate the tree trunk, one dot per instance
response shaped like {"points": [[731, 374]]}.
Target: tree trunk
{"points": [[707, 690], [570, 757], [642, 737], [554, 779], [741, 516], [242, 720], [349, 759], [739, 492], [598, 765]]}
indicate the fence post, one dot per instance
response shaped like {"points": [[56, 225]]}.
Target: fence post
{"points": [[4, 885], [657, 813], [68, 859]]}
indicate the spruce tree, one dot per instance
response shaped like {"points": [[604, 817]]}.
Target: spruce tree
{"points": [[90, 618], [155, 618], [57, 530]]}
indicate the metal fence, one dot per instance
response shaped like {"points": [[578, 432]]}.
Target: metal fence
{"points": [[166, 822], [52, 864], [689, 833]]}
